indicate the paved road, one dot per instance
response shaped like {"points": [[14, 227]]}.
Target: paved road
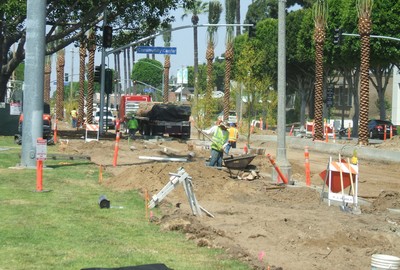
{"points": [[345, 147]]}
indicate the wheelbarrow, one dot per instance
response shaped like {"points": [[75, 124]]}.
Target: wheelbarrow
{"points": [[238, 163]]}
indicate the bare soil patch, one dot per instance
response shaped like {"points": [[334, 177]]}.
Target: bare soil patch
{"points": [[256, 221]]}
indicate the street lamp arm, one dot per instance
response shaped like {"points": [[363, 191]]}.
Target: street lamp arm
{"points": [[171, 30], [373, 36], [151, 64], [148, 85]]}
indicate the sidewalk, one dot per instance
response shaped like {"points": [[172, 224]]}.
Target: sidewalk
{"points": [[347, 148]]}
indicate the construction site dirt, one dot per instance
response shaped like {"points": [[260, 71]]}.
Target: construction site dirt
{"points": [[255, 220]]}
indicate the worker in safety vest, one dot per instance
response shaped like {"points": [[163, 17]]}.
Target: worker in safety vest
{"points": [[219, 142], [74, 116], [133, 126], [233, 136]]}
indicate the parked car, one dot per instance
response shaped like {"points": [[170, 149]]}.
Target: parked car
{"points": [[376, 128], [108, 119]]}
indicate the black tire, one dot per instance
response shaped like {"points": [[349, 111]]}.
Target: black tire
{"points": [[18, 139], [371, 134]]}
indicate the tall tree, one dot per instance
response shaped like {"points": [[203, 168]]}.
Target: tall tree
{"points": [[238, 32], [167, 62], [60, 84], [82, 71], [91, 47], [320, 18], [214, 13], [47, 75], [131, 20], [199, 7], [230, 10], [364, 8]]}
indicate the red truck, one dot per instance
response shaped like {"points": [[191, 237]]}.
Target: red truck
{"points": [[47, 128], [129, 105]]}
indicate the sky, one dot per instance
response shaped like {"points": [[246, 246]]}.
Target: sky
{"points": [[181, 39]]}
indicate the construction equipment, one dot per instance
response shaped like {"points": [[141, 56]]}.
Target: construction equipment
{"points": [[180, 177], [159, 119], [238, 163]]}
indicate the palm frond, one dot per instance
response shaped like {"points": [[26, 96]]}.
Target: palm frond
{"points": [[364, 8], [320, 12]]}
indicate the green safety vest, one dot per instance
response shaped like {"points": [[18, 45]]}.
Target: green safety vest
{"points": [[219, 139], [132, 124]]}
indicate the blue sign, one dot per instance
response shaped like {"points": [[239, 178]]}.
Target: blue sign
{"points": [[156, 50], [148, 90]]}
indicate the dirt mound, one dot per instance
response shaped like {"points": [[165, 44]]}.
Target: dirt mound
{"points": [[289, 224]]}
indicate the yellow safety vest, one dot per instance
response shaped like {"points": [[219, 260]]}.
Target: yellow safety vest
{"points": [[233, 134], [219, 139]]}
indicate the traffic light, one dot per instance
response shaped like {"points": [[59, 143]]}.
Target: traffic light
{"points": [[330, 92], [66, 75], [107, 36], [337, 36], [252, 30], [97, 74], [108, 81]]}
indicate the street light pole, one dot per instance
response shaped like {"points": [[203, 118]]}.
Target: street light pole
{"points": [[281, 129]]}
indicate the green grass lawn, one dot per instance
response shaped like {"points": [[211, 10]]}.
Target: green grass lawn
{"points": [[65, 228]]}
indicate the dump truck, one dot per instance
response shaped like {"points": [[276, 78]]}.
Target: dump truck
{"points": [[129, 104], [157, 119]]}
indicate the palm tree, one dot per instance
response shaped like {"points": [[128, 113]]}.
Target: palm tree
{"points": [[60, 84], [167, 62], [320, 18], [47, 73], [82, 69], [364, 28], [91, 46], [198, 8], [214, 13], [238, 32], [230, 9]]}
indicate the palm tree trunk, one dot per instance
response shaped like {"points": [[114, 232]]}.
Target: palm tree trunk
{"points": [[195, 65], [167, 65], [90, 93], [227, 84], [60, 85], [81, 104], [319, 80], [364, 91], [238, 31], [47, 73], [364, 28], [210, 83]]}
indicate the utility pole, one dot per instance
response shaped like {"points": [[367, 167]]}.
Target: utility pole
{"points": [[281, 158], [32, 128]]}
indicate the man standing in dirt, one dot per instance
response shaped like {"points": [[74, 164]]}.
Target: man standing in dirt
{"points": [[133, 127], [233, 136], [74, 116], [219, 142]]}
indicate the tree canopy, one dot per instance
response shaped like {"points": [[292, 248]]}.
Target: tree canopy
{"points": [[130, 20]]}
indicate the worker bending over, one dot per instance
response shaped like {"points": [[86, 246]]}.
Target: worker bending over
{"points": [[219, 141]]}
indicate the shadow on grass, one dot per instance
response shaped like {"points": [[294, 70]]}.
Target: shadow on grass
{"points": [[67, 164]]}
